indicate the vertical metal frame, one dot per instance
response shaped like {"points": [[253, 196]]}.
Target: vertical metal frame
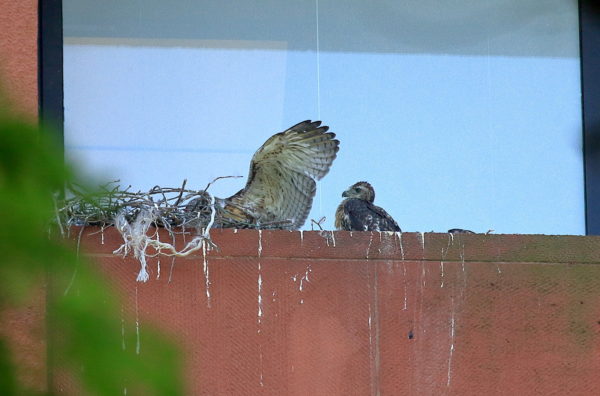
{"points": [[589, 25], [50, 66], [51, 111]]}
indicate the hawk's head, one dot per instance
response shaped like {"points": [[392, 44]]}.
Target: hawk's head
{"points": [[360, 190]]}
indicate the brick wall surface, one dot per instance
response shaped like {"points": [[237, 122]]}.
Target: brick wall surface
{"points": [[322, 313], [23, 325], [18, 53]]}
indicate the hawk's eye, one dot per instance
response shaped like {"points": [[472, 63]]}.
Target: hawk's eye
{"points": [[356, 189]]}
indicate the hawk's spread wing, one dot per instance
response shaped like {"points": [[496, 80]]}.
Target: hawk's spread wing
{"points": [[359, 215], [281, 183]]}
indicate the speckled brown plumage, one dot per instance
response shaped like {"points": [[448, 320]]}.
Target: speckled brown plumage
{"points": [[358, 213], [282, 179]]}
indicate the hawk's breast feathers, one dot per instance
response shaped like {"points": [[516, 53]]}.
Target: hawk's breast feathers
{"points": [[358, 213]]}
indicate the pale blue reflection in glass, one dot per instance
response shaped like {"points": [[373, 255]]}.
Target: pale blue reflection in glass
{"points": [[448, 141]]}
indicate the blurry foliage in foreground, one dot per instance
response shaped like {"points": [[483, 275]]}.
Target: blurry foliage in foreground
{"points": [[84, 318]]}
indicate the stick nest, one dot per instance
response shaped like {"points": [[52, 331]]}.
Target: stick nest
{"points": [[133, 213], [169, 207]]}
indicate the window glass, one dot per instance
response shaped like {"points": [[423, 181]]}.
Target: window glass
{"points": [[460, 114]]}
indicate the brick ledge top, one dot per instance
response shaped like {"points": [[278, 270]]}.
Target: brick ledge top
{"points": [[344, 245]]}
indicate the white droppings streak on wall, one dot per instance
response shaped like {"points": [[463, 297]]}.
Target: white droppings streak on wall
{"points": [[260, 312], [157, 234], [370, 321], [462, 256], [259, 243], [462, 259], [370, 329], [370, 242], [137, 324], [302, 280], [399, 236], [123, 346], [405, 286], [206, 274], [452, 334], [171, 270], [260, 306], [444, 253]]}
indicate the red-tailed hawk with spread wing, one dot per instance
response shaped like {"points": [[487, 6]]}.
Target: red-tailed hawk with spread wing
{"points": [[282, 179], [357, 212]]}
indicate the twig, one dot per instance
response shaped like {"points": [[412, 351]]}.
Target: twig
{"points": [[219, 178], [181, 192], [318, 223], [58, 221]]}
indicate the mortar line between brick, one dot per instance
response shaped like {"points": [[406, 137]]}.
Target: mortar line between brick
{"points": [[362, 259]]}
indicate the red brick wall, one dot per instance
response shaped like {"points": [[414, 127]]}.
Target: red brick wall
{"points": [[362, 313], [18, 53], [23, 324]]}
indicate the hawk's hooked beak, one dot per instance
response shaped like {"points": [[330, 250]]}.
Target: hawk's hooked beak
{"points": [[345, 194]]}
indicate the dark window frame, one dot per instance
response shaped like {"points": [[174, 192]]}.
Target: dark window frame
{"points": [[50, 66], [589, 41], [51, 98]]}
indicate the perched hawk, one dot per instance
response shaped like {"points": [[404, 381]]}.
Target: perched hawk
{"points": [[281, 182], [357, 212]]}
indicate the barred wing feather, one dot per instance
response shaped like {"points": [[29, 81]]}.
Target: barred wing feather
{"points": [[281, 182]]}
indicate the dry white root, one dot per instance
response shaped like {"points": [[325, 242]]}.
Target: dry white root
{"points": [[136, 238]]}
